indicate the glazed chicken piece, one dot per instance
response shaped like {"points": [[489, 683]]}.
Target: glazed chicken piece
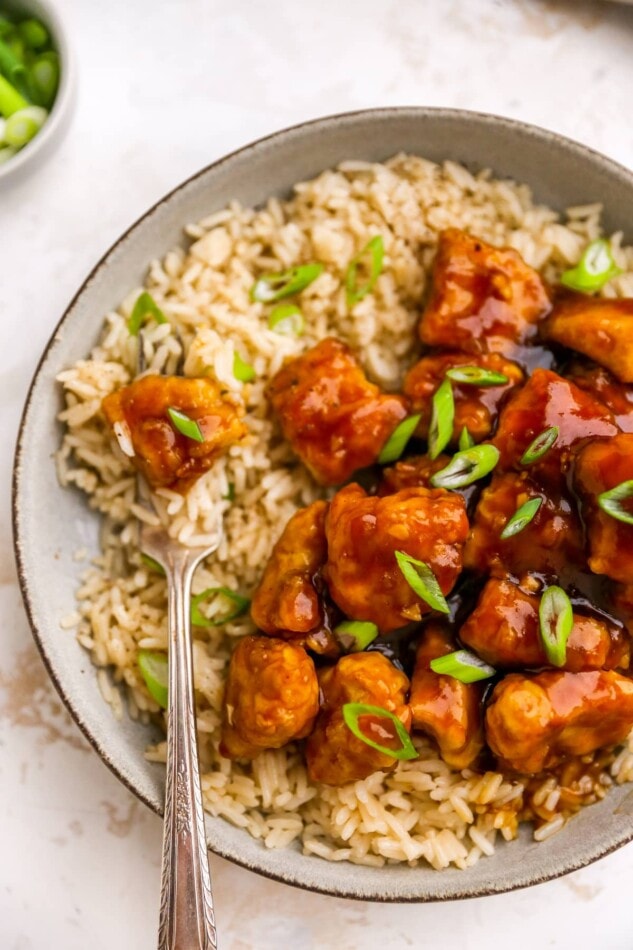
{"points": [[476, 407], [443, 707], [599, 382], [363, 534], [271, 697], [415, 471], [599, 467], [534, 723], [287, 603], [601, 329], [550, 543], [503, 630], [139, 419], [548, 400], [484, 298], [335, 419], [334, 755]]}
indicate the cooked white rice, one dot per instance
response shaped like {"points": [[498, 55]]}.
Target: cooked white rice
{"points": [[423, 811]]}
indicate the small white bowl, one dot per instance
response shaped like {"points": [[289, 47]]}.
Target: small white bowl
{"points": [[40, 147]]}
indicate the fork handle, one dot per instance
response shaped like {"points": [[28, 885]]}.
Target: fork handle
{"points": [[186, 906]]}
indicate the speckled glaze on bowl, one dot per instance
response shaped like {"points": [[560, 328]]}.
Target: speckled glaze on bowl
{"points": [[51, 523]]}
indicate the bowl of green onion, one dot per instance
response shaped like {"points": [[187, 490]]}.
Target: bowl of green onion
{"points": [[35, 84]]}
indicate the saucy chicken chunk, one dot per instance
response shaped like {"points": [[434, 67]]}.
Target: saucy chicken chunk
{"points": [[445, 708], [364, 532], [413, 472], [334, 418], [271, 697], [476, 407], [599, 467], [334, 754], [550, 543], [601, 329], [286, 601], [545, 401], [138, 416], [483, 298], [534, 723], [616, 396], [503, 630]]}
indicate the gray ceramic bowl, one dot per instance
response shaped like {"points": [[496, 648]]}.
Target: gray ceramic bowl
{"points": [[51, 523], [40, 147]]}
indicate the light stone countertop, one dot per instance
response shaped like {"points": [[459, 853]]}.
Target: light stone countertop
{"points": [[165, 87]]}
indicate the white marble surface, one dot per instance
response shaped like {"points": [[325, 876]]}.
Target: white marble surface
{"points": [[164, 88]]}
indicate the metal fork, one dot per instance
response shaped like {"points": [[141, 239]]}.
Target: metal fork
{"points": [[187, 920]]}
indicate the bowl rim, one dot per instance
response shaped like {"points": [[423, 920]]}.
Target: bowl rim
{"points": [[63, 100], [415, 112]]}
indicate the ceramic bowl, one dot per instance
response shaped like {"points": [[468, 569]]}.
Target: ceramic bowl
{"points": [[51, 523], [40, 147]]}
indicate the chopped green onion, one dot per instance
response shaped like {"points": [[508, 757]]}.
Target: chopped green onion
{"points": [[359, 715], [12, 67], [423, 581], [466, 467], [476, 376], [540, 445], [34, 33], [466, 440], [45, 75], [155, 671], [271, 287], [23, 125], [7, 153], [611, 501], [10, 99], [230, 492], [595, 268], [144, 307], [442, 419], [241, 604], [6, 26], [556, 620], [242, 371], [521, 517], [397, 441], [287, 319], [375, 250], [355, 635], [185, 425], [152, 564], [462, 665]]}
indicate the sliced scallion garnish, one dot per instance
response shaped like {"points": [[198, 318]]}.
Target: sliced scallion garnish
{"points": [[10, 99], [230, 492], [466, 440], [373, 253], [556, 620], [287, 319], [595, 268], [23, 125], [155, 671], [466, 467], [45, 74], [611, 501], [270, 287], [442, 419], [397, 441], [476, 376], [359, 717], [240, 605], [34, 33], [521, 517], [185, 425], [422, 581], [462, 665], [242, 370], [539, 446], [145, 306], [355, 635], [152, 564]]}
